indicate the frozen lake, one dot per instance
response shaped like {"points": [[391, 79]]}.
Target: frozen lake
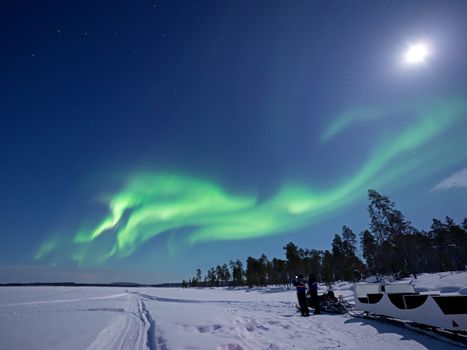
{"points": [[177, 318]]}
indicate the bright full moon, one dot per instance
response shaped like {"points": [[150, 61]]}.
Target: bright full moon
{"points": [[416, 54]]}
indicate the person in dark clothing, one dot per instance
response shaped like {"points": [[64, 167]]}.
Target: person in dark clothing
{"points": [[300, 285], [313, 288]]}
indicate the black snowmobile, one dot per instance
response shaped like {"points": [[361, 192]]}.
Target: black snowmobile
{"points": [[328, 302]]}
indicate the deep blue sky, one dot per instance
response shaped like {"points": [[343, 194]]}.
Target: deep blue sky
{"points": [[237, 94]]}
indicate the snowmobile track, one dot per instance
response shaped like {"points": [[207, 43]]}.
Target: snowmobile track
{"points": [[131, 329]]}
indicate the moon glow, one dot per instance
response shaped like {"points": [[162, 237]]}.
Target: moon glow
{"points": [[416, 54]]}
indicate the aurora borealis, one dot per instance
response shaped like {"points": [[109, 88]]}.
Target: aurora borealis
{"points": [[186, 134], [156, 203]]}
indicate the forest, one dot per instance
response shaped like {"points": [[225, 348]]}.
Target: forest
{"points": [[391, 245]]}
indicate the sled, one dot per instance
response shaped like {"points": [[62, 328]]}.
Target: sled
{"points": [[401, 301]]}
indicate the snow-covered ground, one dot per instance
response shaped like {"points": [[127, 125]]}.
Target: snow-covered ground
{"points": [[176, 318]]}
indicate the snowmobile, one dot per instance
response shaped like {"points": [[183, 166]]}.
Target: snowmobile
{"points": [[328, 302]]}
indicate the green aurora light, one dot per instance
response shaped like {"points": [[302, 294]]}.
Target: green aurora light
{"points": [[153, 203]]}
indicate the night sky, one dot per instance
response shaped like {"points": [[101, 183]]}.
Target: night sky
{"points": [[142, 140]]}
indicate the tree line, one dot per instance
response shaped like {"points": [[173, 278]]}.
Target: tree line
{"points": [[390, 246]]}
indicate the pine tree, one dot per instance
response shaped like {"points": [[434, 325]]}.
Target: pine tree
{"points": [[338, 258], [313, 261], [369, 251], [196, 281], [327, 267], [353, 266], [458, 244], [225, 274], [348, 241], [464, 225], [389, 225], [237, 273], [263, 270], [211, 278], [386, 221], [252, 271], [278, 271], [219, 275], [294, 260]]}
